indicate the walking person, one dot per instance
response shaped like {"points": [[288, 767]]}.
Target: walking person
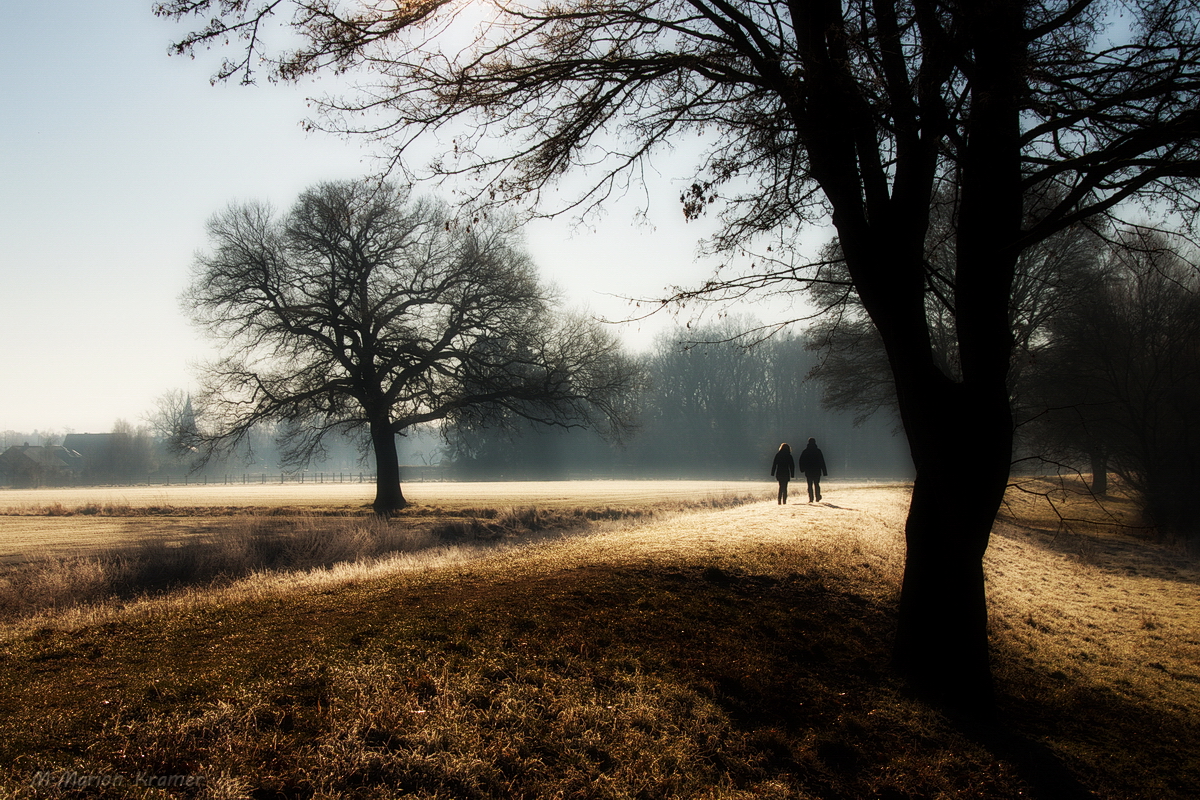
{"points": [[784, 469], [812, 464]]}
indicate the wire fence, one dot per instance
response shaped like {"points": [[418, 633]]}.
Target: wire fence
{"points": [[260, 478], [410, 474]]}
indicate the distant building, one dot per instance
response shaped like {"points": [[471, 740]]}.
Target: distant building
{"points": [[29, 467], [117, 457], [94, 447]]}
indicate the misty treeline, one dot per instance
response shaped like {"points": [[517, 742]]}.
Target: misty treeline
{"points": [[125, 454], [133, 453], [710, 407]]}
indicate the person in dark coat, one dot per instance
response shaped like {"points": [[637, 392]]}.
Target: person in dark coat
{"points": [[812, 464], [784, 469]]}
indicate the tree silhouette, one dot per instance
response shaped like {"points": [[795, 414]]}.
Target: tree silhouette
{"points": [[1050, 279], [1121, 378], [365, 310]]}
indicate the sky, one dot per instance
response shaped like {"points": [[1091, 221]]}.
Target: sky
{"points": [[113, 156]]}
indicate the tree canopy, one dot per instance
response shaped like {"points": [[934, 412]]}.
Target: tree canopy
{"points": [[364, 309], [530, 90]]}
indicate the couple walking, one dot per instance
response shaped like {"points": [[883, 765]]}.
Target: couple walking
{"points": [[811, 463]]}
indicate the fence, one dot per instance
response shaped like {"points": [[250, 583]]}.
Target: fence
{"points": [[259, 478], [409, 474]]}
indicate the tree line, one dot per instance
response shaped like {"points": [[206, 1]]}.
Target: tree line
{"points": [[1116, 385], [709, 407], [368, 314], [1105, 370]]}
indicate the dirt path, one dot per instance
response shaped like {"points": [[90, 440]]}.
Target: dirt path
{"points": [[854, 513], [861, 525]]}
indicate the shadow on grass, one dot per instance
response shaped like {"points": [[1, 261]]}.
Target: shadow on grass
{"points": [[666, 679]]}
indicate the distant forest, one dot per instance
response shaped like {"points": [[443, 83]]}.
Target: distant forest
{"points": [[710, 408]]}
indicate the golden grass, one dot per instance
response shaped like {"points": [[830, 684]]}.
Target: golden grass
{"points": [[63, 522], [354, 496], [1091, 614], [128, 556], [730, 653]]}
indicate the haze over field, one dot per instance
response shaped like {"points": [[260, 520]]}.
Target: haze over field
{"points": [[352, 494]]}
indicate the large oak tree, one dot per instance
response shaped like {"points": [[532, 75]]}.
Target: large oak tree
{"points": [[855, 112], [363, 309]]}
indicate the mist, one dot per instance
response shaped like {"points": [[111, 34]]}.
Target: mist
{"points": [[710, 408]]}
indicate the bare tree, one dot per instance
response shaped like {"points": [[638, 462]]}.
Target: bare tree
{"points": [[364, 309], [850, 111], [1121, 378], [1049, 280], [173, 421]]}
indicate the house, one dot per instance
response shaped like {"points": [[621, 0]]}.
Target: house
{"points": [[96, 449], [117, 457], [53, 465]]}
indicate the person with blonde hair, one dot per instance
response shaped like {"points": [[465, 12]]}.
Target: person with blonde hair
{"points": [[784, 469]]}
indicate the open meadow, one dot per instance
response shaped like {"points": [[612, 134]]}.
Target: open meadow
{"points": [[615, 639], [86, 520]]}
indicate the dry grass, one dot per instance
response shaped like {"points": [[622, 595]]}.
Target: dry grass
{"points": [[1098, 622], [734, 653], [346, 497], [133, 557], [64, 522], [51, 584]]}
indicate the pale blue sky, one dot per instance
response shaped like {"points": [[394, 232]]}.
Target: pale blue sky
{"points": [[113, 155]]}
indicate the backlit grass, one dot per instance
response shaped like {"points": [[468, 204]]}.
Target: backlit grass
{"points": [[120, 566], [736, 653]]}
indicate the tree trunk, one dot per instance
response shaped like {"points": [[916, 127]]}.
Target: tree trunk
{"points": [[941, 642], [961, 433], [959, 430], [960, 439], [1099, 472], [388, 496]]}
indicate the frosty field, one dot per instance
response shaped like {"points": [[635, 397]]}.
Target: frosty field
{"points": [[354, 496], [58, 521]]}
